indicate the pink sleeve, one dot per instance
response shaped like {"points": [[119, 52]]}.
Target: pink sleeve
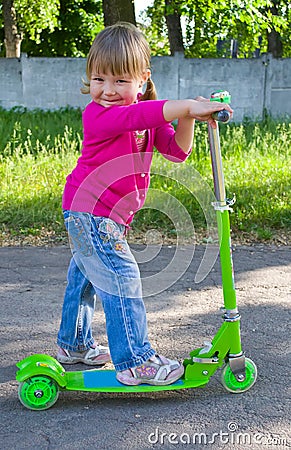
{"points": [[112, 121], [166, 144]]}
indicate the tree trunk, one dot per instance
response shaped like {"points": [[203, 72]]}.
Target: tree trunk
{"points": [[275, 45], [173, 20], [118, 11], [12, 37]]}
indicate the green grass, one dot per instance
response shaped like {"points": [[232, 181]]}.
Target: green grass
{"points": [[37, 128], [38, 149]]}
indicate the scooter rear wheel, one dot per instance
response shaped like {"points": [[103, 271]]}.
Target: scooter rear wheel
{"points": [[235, 386], [38, 392]]}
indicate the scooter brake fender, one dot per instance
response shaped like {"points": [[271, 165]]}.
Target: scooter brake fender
{"points": [[41, 365]]}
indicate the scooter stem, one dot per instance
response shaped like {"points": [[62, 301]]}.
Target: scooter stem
{"points": [[214, 142], [222, 208], [216, 161]]}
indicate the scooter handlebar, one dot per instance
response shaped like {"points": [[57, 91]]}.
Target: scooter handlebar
{"points": [[221, 97], [222, 116]]}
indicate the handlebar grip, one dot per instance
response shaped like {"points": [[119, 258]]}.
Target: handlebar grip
{"points": [[221, 116]]}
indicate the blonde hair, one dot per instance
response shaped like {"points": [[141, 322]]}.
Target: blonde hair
{"points": [[120, 49]]}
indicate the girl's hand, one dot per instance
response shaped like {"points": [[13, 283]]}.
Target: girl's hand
{"points": [[203, 109]]}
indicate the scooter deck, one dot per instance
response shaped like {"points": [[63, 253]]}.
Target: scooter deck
{"points": [[105, 381]]}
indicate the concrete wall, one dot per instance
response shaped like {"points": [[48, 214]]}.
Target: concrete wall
{"points": [[255, 84]]}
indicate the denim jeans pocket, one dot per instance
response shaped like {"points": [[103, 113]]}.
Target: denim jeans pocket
{"points": [[78, 228]]}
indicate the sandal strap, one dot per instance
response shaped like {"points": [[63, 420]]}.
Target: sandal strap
{"points": [[154, 370], [93, 352]]}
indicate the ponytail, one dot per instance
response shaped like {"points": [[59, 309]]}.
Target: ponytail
{"points": [[150, 92]]}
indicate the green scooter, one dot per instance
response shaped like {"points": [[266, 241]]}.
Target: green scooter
{"points": [[41, 377]]}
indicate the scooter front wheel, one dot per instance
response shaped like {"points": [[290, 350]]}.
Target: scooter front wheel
{"points": [[235, 386], [38, 392]]}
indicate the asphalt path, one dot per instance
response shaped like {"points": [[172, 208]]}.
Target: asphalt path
{"points": [[182, 314]]}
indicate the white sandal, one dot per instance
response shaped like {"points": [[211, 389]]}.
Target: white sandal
{"points": [[94, 356], [157, 371]]}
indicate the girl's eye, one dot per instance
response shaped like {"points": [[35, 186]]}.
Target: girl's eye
{"points": [[97, 79], [121, 81]]}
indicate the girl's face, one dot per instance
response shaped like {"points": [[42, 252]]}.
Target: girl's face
{"points": [[109, 90]]}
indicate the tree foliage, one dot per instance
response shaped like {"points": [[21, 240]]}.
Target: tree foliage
{"points": [[78, 23], [210, 26], [67, 27], [33, 17], [153, 24], [24, 17]]}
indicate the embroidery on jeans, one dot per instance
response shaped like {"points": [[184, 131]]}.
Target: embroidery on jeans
{"points": [[120, 247], [110, 229], [105, 238], [78, 238]]}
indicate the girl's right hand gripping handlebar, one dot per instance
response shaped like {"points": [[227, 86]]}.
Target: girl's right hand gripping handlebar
{"points": [[222, 97]]}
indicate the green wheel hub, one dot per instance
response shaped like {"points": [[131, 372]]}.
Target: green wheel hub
{"points": [[231, 384], [38, 392]]}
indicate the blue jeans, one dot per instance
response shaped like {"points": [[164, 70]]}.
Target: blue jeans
{"points": [[103, 265]]}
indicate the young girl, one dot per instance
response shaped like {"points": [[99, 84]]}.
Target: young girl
{"points": [[102, 194]]}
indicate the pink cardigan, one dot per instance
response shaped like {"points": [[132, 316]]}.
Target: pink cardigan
{"points": [[111, 177]]}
